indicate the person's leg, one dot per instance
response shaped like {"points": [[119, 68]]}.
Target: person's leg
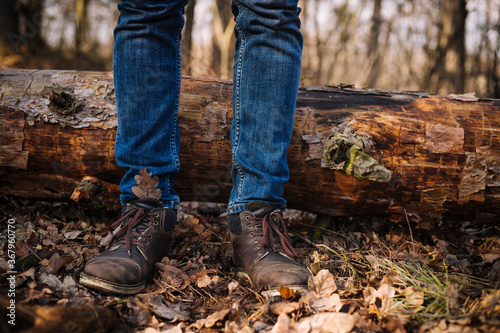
{"points": [[147, 74], [266, 81]]}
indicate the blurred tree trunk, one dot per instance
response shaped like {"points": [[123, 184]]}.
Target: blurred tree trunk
{"points": [[9, 26], [187, 38], [373, 55], [492, 70], [494, 82], [81, 26], [223, 28], [31, 25], [447, 61], [347, 28]]}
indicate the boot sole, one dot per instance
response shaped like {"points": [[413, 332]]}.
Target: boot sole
{"points": [[275, 293], [272, 293], [108, 287]]}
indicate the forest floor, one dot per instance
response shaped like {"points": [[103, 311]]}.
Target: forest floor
{"points": [[370, 275]]}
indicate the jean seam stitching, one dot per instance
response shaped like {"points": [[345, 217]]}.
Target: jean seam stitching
{"points": [[173, 147], [237, 108]]}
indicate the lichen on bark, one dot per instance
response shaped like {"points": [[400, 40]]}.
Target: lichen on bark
{"points": [[347, 152]]}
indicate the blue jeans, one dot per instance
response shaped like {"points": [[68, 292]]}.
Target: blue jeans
{"points": [[147, 75]]}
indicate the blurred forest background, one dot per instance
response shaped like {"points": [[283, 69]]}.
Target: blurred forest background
{"points": [[439, 46]]}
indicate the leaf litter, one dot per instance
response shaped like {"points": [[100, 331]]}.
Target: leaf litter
{"points": [[369, 275]]}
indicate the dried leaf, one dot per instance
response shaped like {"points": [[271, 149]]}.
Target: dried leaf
{"points": [[287, 293], [55, 263], [50, 318], [323, 304], [490, 257], [282, 324], [51, 281], [382, 298], [4, 265], [173, 276], [69, 285], [139, 308], [146, 185], [27, 275], [284, 307], [107, 240], [202, 279], [211, 320], [322, 284], [22, 250], [193, 224], [167, 310], [72, 234], [172, 329], [232, 286], [327, 323], [414, 298]]}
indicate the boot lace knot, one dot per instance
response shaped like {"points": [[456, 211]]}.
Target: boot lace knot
{"points": [[272, 232], [130, 228]]}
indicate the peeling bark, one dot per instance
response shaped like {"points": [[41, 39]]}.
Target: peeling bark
{"points": [[442, 152]]}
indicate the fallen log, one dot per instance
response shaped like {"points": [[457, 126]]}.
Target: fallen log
{"points": [[353, 151]]}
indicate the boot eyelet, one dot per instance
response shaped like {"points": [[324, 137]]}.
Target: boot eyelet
{"points": [[157, 215], [155, 223], [147, 243], [249, 226], [251, 234], [247, 218]]}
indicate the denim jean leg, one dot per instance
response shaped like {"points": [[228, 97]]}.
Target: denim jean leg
{"points": [[147, 74], [266, 81]]}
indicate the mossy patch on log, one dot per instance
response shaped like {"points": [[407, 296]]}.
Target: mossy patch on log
{"points": [[345, 152]]}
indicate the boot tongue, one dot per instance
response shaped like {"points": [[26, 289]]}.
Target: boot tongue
{"points": [[260, 209]]}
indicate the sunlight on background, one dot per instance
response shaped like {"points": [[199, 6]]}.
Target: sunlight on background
{"points": [[338, 45]]}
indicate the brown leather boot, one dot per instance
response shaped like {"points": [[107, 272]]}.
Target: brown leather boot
{"points": [[141, 237], [262, 247]]}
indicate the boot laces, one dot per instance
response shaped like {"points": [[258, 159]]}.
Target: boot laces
{"points": [[272, 237], [132, 231]]}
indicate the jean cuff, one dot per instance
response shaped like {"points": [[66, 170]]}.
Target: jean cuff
{"points": [[238, 208], [164, 203]]}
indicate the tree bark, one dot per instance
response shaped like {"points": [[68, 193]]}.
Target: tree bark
{"points": [[413, 155]]}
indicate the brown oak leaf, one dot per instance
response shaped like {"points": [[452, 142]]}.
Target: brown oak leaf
{"points": [[146, 185], [322, 284]]}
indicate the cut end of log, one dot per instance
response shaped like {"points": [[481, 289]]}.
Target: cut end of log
{"points": [[87, 187]]}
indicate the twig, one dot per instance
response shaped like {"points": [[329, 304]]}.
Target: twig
{"points": [[411, 233]]}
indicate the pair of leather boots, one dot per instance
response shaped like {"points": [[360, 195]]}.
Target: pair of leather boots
{"points": [[142, 237]]}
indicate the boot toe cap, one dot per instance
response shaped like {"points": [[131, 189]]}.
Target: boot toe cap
{"points": [[118, 270], [281, 274]]}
